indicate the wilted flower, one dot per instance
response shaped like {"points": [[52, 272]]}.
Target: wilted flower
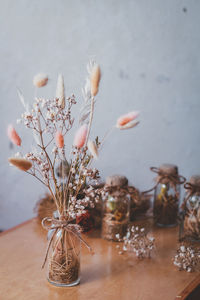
{"points": [[95, 79], [21, 163], [80, 136], [59, 139], [93, 149], [40, 80], [13, 136]]}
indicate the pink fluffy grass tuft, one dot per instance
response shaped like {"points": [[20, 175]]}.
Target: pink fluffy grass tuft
{"points": [[80, 136], [125, 119], [59, 139], [13, 136]]}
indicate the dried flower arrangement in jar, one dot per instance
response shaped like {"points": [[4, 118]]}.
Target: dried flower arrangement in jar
{"points": [[50, 120], [116, 207], [117, 199], [190, 215], [166, 195]]}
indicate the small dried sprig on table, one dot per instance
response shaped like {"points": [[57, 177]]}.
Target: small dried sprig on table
{"points": [[138, 242], [187, 258]]}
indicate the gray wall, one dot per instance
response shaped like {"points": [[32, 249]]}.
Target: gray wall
{"points": [[149, 54]]}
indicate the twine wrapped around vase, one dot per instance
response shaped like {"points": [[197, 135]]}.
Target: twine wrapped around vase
{"points": [[62, 223]]}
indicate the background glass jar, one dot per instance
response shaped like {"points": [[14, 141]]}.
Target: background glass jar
{"points": [[116, 208], [190, 211], [167, 195]]}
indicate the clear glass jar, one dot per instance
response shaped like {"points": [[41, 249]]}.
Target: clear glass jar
{"points": [[116, 209], [166, 196], [190, 215], [64, 257]]}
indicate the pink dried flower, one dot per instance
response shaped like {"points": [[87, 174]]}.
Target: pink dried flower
{"points": [[13, 136], [80, 136], [128, 125], [59, 139], [125, 119]]}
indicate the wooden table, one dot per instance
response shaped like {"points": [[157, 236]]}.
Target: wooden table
{"points": [[106, 275]]}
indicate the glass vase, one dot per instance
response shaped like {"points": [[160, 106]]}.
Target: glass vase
{"points": [[64, 257]]}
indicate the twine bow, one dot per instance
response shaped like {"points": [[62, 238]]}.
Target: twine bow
{"points": [[192, 188], [56, 224], [173, 178], [121, 190]]}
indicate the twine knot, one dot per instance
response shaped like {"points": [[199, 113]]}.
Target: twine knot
{"points": [[62, 223], [193, 188], [174, 179], [120, 190]]}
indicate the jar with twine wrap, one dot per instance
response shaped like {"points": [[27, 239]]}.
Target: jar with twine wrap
{"points": [[63, 251], [166, 195], [190, 217], [116, 208]]}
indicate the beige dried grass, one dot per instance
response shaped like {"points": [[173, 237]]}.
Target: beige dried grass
{"points": [[95, 79], [60, 91], [20, 163]]}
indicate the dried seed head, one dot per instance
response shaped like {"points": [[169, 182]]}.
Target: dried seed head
{"points": [[129, 125], [40, 80], [80, 136], [93, 149], [60, 91], [95, 79], [21, 163], [13, 136], [127, 118], [59, 140]]}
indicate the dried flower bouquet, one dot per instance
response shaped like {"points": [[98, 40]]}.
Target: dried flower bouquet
{"points": [[50, 121]]}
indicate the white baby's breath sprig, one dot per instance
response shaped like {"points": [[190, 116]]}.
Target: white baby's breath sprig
{"points": [[187, 258], [138, 242]]}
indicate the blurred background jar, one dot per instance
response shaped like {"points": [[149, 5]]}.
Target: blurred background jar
{"points": [[166, 195], [190, 211], [116, 208]]}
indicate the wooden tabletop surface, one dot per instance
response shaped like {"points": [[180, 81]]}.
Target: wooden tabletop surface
{"points": [[104, 276]]}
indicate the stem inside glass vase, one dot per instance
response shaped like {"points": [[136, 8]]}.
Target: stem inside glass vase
{"points": [[64, 259]]}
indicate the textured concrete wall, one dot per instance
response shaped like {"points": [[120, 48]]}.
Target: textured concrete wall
{"points": [[149, 54]]}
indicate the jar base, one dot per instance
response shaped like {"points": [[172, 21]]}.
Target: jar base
{"points": [[76, 282]]}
